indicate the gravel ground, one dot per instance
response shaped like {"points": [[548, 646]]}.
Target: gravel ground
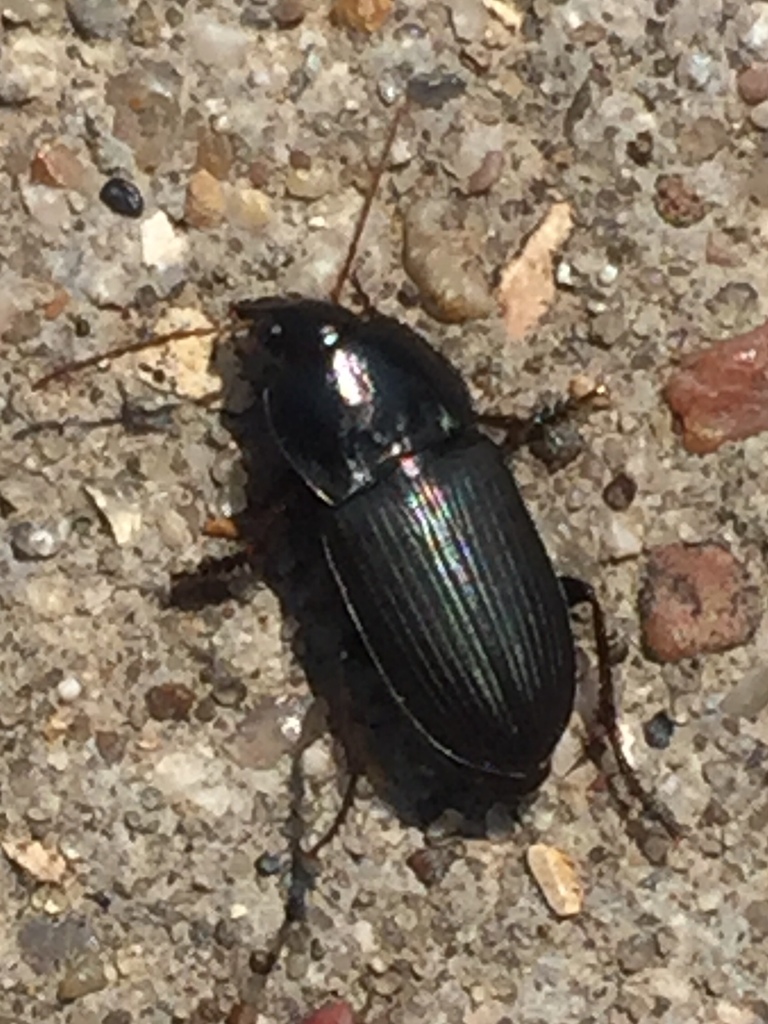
{"points": [[146, 735]]}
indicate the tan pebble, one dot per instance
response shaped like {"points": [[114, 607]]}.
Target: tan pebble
{"points": [[361, 15], [444, 267], [248, 208], [308, 183], [215, 153], [487, 174], [556, 876], [204, 205]]}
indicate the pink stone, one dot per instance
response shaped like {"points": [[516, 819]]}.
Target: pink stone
{"points": [[696, 599], [339, 1012]]}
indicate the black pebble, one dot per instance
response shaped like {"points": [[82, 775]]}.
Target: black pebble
{"points": [[658, 731], [122, 197], [620, 492]]}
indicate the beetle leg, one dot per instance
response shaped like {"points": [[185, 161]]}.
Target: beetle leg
{"points": [[211, 581], [578, 592], [548, 430], [314, 726], [303, 863]]}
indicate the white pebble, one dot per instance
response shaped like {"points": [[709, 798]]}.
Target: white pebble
{"points": [[317, 761], [69, 689], [608, 274], [161, 245], [564, 274]]}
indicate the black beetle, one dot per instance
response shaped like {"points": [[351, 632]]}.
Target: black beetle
{"points": [[439, 563]]}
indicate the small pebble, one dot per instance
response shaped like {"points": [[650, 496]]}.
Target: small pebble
{"points": [[433, 90], [620, 492], [752, 84], [288, 13], [658, 731], [361, 15], [635, 953], [110, 745], [678, 203], [81, 978], [487, 174], [444, 267], [430, 864], [758, 115], [69, 689], [122, 197], [58, 167], [162, 246], [268, 864], [97, 19], [37, 541], [169, 702], [749, 695], [122, 515], [308, 183], [609, 272], [640, 149], [556, 876], [332, 1013], [205, 201]]}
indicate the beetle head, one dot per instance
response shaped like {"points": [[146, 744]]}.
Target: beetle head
{"points": [[295, 332]]}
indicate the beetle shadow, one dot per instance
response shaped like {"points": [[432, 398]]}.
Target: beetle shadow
{"points": [[376, 738]]}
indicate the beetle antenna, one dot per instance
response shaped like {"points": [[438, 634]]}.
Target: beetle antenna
{"points": [[378, 173], [157, 341]]}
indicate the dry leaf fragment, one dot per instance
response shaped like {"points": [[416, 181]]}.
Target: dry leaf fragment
{"points": [[527, 283], [555, 874], [33, 858]]}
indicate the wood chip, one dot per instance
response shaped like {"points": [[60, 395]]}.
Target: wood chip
{"points": [[182, 367], [507, 12], [527, 286], [556, 876], [36, 861]]}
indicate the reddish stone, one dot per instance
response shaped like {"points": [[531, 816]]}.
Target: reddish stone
{"points": [[339, 1012], [57, 166], [696, 599], [721, 393], [752, 84]]}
